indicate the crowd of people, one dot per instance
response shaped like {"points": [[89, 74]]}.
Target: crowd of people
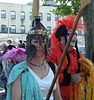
{"points": [[4, 64], [31, 79]]}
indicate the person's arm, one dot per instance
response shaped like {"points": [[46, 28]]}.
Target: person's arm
{"points": [[56, 92], [76, 78], [16, 89]]}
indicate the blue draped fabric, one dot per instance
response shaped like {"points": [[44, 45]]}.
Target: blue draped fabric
{"points": [[30, 87]]}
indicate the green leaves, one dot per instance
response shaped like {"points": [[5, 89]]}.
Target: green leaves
{"points": [[66, 7], [62, 10]]}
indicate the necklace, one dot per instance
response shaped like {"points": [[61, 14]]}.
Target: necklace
{"points": [[37, 65]]}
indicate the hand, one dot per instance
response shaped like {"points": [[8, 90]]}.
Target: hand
{"points": [[75, 78]]}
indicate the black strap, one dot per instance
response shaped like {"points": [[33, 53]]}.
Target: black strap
{"points": [[66, 80], [52, 66], [67, 77]]}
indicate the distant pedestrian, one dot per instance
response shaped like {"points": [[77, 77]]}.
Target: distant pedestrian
{"points": [[21, 44], [4, 48], [9, 41], [4, 64]]}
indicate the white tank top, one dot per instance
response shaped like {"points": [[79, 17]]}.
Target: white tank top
{"points": [[44, 83]]}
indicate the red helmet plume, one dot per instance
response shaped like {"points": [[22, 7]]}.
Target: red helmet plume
{"points": [[68, 22]]}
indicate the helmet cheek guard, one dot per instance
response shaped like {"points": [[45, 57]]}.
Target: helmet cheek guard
{"points": [[30, 51], [47, 48]]}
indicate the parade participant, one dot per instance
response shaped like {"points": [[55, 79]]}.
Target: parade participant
{"points": [[31, 79], [22, 45], [5, 70], [4, 48], [70, 67], [10, 46], [14, 56]]}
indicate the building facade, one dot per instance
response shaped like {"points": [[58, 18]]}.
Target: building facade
{"points": [[17, 18]]}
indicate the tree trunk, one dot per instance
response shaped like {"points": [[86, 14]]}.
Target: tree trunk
{"points": [[35, 8], [88, 16]]}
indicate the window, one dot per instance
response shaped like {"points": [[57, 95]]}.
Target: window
{"points": [[49, 29], [3, 28], [56, 18], [41, 16], [22, 29], [22, 15], [13, 14], [48, 17], [3, 14], [30, 15], [13, 29]]}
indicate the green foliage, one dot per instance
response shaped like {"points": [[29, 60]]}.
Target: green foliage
{"points": [[66, 7], [62, 10]]}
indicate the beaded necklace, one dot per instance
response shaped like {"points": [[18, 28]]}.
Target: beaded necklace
{"points": [[37, 65]]}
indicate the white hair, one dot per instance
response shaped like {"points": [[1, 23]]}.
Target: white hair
{"points": [[4, 44]]}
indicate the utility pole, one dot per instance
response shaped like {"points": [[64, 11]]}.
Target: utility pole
{"points": [[8, 28]]}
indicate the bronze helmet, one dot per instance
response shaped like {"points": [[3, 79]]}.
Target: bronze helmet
{"points": [[38, 31]]}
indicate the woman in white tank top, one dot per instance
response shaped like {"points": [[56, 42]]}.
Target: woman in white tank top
{"points": [[37, 41]]}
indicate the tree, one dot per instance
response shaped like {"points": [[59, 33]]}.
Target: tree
{"points": [[72, 6], [88, 16], [66, 7]]}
